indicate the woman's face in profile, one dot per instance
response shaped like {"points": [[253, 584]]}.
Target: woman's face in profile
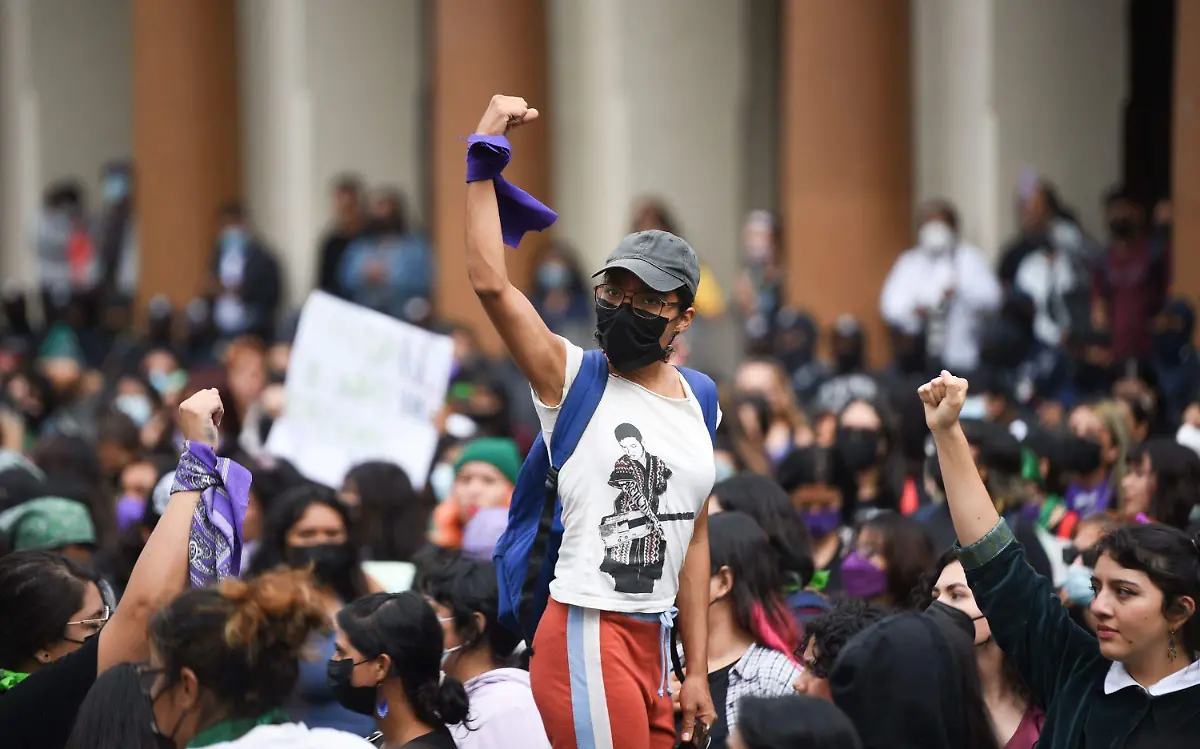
{"points": [[951, 589]]}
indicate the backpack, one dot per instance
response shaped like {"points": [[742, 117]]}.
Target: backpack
{"points": [[527, 551]]}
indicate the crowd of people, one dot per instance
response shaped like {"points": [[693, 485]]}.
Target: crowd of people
{"points": [[809, 553]]}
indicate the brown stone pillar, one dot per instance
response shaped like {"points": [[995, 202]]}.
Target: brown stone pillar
{"points": [[482, 48], [846, 183], [1185, 167], [185, 137]]}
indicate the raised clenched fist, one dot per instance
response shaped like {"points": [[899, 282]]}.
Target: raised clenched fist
{"points": [[200, 415], [503, 114], [943, 397]]}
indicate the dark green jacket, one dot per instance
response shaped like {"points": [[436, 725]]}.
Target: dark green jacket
{"points": [[1061, 662]]}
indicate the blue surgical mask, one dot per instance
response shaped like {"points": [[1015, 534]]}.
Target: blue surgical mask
{"points": [[1078, 585], [725, 471], [168, 382], [233, 236], [441, 481], [116, 187], [554, 276], [137, 407]]}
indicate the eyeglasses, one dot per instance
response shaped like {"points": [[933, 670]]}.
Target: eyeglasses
{"points": [[1070, 554], [95, 624], [147, 676], [648, 305]]}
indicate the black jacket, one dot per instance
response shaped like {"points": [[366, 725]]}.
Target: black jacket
{"points": [[260, 289]]}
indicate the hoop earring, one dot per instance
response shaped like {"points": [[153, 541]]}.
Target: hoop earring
{"points": [[381, 707], [1172, 653]]}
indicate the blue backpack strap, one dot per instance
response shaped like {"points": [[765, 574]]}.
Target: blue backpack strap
{"points": [[577, 408], [705, 391]]}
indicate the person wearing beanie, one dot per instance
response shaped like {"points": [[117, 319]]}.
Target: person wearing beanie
{"points": [[51, 524], [485, 476]]}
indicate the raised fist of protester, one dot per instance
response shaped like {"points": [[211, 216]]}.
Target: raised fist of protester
{"points": [[503, 114], [943, 397], [200, 415]]}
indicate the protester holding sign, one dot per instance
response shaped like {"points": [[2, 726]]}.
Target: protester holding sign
{"points": [[1139, 684], [634, 538]]}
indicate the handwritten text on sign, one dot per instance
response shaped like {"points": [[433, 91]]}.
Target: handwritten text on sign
{"points": [[361, 386]]}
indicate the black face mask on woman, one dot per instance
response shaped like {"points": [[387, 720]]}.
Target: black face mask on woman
{"points": [[338, 674], [330, 562], [630, 342], [858, 449]]}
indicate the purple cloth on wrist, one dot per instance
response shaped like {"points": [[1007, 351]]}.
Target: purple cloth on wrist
{"points": [[215, 540], [520, 212]]}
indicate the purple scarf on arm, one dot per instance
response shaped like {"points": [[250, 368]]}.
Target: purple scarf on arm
{"points": [[520, 212], [215, 540]]}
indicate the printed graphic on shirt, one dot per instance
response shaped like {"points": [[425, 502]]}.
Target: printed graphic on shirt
{"points": [[633, 537]]}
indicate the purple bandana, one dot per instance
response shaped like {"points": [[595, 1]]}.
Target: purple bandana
{"points": [[215, 541], [520, 212]]}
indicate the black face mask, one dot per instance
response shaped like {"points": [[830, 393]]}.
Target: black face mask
{"points": [[848, 362], [858, 449], [330, 562], [630, 342], [1121, 227], [359, 700]]}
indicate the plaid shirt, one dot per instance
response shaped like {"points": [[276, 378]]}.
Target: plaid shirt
{"points": [[761, 672]]}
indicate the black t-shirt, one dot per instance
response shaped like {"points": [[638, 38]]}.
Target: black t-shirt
{"points": [[718, 687], [439, 739], [40, 711]]}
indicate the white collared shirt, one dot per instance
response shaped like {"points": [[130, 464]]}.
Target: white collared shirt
{"points": [[1118, 678]]}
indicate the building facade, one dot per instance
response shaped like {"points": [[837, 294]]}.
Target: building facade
{"points": [[841, 116]]}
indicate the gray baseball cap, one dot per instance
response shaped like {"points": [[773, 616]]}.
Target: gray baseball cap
{"points": [[662, 260]]}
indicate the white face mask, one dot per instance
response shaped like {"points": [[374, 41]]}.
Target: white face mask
{"points": [[1189, 436], [935, 236], [441, 481], [446, 654]]}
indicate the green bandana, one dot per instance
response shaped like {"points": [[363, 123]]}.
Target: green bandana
{"points": [[48, 523], [819, 580], [232, 730], [9, 679]]}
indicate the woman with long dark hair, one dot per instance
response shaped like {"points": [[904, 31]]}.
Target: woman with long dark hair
{"points": [[1137, 683], [115, 714], [479, 653], [1162, 483], [751, 634], [310, 528], [392, 516], [764, 500], [891, 553], [910, 682], [1016, 720], [390, 649]]}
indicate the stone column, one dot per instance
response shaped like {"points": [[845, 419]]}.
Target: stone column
{"points": [[185, 137], [482, 48], [1185, 168], [847, 155]]}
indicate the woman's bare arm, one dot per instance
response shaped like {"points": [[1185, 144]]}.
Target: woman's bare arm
{"points": [[161, 571], [539, 354]]}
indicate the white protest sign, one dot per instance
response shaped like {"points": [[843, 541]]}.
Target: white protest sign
{"points": [[360, 386]]}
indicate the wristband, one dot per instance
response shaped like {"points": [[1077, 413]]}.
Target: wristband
{"points": [[520, 212]]}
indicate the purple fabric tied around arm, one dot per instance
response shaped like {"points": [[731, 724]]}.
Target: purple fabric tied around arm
{"points": [[520, 212], [215, 540]]}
